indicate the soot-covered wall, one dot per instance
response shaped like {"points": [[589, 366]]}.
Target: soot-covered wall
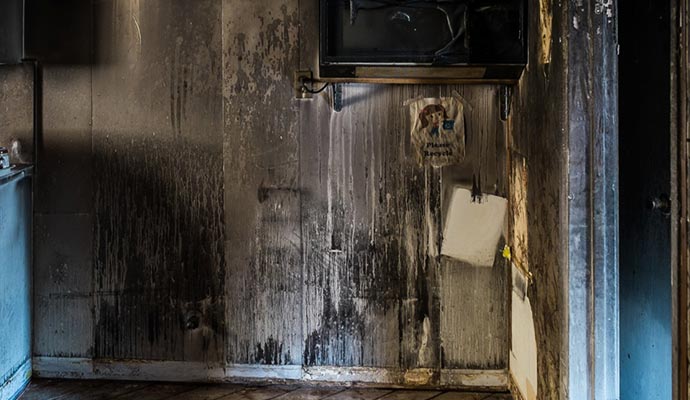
{"points": [[564, 214], [538, 154], [190, 210]]}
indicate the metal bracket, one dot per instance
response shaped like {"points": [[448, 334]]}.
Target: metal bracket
{"points": [[506, 94], [337, 97], [298, 84]]}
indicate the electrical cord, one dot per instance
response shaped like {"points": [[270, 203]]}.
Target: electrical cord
{"points": [[312, 91]]}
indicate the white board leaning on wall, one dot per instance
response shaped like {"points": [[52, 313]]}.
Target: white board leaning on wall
{"points": [[472, 229]]}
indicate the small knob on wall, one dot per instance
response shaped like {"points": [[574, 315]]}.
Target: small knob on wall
{"points": [[192, 322], [661, 203]]}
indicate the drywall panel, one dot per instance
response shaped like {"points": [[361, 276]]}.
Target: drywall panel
{"points": [[63, 269], [538, 142], [474, 315], [262, 193], [365, 201], [474, 301], [157, 140], [377, 292]]}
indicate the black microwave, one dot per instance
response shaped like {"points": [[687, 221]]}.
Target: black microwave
{"points": [[422, 40]]}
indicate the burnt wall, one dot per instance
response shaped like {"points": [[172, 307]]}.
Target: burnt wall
{"points": [[328, 209], [262, 194], [564, 155], [158, 187], [538, 153], [377, 290], [189, 209]]}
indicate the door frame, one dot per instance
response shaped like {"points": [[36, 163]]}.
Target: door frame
{"points": [[593, 208], [595, 373], [680, 134]]}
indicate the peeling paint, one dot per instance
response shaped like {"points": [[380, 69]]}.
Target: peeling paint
{"points": [[545, 28], [518, 201]]}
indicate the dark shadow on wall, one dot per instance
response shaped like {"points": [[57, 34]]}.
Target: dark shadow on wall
{"points": [[158, 250], [154, 276]]}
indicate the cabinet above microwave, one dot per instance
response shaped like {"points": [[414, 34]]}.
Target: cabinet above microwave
{"points": [[423, 40]]}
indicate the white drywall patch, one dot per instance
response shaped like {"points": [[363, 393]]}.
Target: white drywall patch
{"points": [[523, 355], [472, 229]]}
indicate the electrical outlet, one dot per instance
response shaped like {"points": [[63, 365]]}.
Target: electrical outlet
{"points": [[300, 78]]}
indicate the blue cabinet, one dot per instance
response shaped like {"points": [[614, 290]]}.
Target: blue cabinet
{"points": [[15, 281]]}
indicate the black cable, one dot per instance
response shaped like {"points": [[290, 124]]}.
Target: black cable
{"points": [[312, 91]]}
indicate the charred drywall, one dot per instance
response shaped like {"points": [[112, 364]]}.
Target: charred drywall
{"points": [[326, 210], [262, 196], [192, 210], [538, 145], [376, 291], [63, 320], [564, 147], [158, 216]]}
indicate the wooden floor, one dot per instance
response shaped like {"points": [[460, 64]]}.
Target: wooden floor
{"points": [[48, 389]]}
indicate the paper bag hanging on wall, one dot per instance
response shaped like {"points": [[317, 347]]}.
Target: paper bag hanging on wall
{"points": [[438, 131]]}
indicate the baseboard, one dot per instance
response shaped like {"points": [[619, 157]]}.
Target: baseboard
{"points": [[183, 371], [166, 371], [488, 379], [241, 372], [418, 377], [14, 386], [370, 375]]}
